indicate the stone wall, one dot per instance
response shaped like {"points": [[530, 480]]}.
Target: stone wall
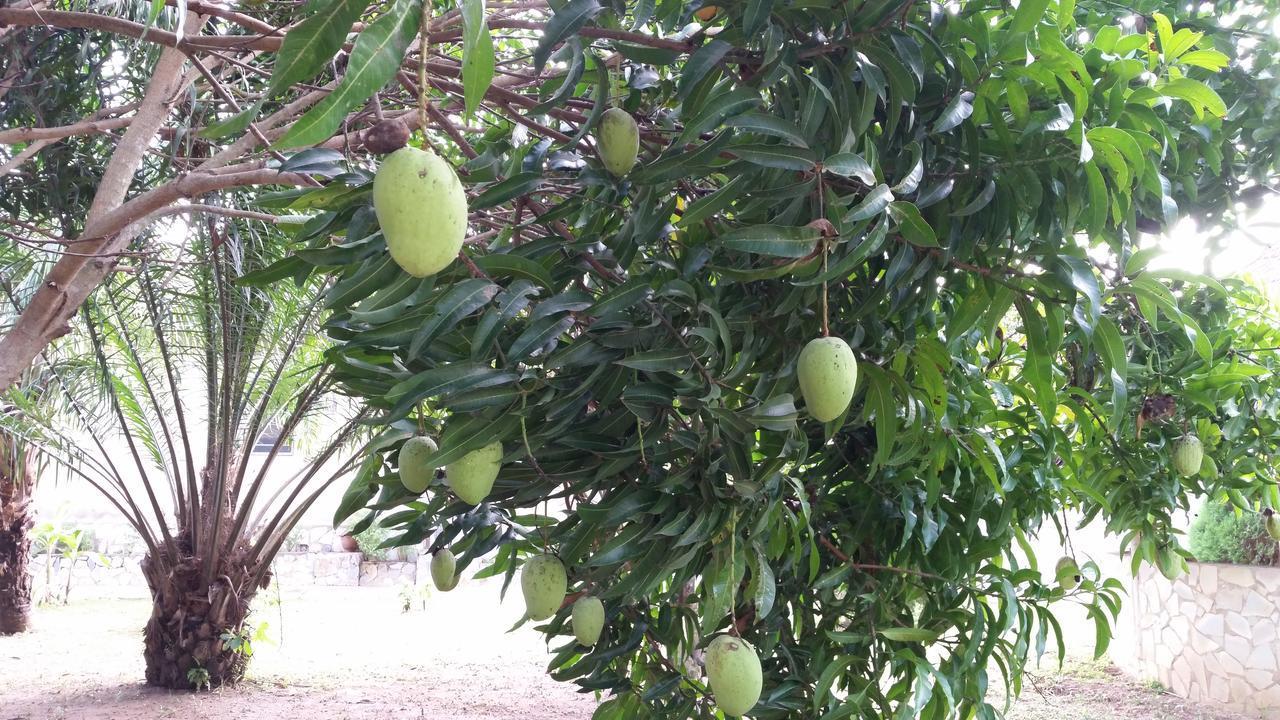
{"points": [[96, 575], [1211, 636]]}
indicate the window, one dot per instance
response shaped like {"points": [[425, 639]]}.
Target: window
{"points": [[267, 440]]}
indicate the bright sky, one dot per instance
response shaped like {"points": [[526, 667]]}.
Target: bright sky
{"points": [[1185, 246]]}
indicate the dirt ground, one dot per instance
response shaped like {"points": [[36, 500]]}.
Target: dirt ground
{"points": [[1088, 690], [338, 653], [350, 654]]}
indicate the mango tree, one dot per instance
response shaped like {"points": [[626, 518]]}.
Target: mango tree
{"points": [[957, 192]]}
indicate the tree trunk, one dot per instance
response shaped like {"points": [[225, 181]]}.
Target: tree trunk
{"points": [[17, 477], [183, 641]]}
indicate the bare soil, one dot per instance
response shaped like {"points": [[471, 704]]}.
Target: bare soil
{"points": [[340, 653], [1087, 690]]}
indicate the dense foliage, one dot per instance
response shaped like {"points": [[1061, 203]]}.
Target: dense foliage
{"points": [[1222, 533], [959, 191]]}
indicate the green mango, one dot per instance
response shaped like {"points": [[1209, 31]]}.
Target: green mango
{"points": [[588, 619], [422, 209], [444, 570], [619, 141], [544, 584], [1068, 574], [415, 472], [471, 476], [1188, 455], [1273, 524], [828, 373], [733, 668]]}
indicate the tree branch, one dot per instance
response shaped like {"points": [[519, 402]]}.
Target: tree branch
{"points": [[84, 127]]}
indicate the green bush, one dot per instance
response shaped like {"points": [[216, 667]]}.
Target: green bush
{"points": [[1220, 534]]}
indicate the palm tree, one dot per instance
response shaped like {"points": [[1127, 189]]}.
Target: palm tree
{"points": [[17, 479], [20, 463], [193, 367]]}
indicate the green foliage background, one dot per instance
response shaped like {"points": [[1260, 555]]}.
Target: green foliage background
{"points": [[1220, 534]]}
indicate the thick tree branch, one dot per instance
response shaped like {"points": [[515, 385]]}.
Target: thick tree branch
{"points": [[84, 127]]}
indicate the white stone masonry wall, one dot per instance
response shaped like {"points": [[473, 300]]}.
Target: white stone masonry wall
{"points": [[1211, 636]]}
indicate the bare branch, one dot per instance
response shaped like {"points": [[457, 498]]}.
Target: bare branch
{"points": [[84, 127], [214, 210], [27, 153]]}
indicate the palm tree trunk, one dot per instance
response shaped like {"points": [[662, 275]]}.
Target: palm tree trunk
{"points": [[17, 477], [183, 640]]}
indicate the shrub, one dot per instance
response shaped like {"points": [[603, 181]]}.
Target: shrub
{"points": [[1220, 534]]}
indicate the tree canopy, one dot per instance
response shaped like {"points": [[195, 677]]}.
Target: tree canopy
{"points": [[958, 190]]}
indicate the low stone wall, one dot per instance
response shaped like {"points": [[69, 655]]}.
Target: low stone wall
{"points": [[1211, 635], [120, 576]]}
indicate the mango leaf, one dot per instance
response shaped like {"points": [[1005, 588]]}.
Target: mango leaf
{"points": [[374, 60], [775, 240], [1028, 14], [312, 43], [759, 122], [871, 205], [233, 125], [783, 157], [443, 380], [1200, 96], [700, 64], [674, 359], [477, 54], [567, 21], [909, 634], [912, 226], [851, 165], [513, 187]]}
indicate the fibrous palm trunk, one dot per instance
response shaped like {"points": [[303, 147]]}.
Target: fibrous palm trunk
{"points": [[16, 482], [183, 639]]}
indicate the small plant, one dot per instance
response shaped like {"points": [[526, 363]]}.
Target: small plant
{"points": [[241, 641], [65, 544], [199, 678], [1223, 534], [409, 594], [369, 540]]}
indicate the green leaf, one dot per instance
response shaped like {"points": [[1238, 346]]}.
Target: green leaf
{"points": [[477, 54], [1211, 60], [912, 226], [755, 15], [461, 300], [311, 44], [566, 21], [979, 202], [775, 240], [451, 378], [1164, 33], [540, 333], [909, 634], [871, 205], [513, 187], [851, 165], [1028, 14], [1200, 96], [701, 64], [233, 125], [508, 265], [783, 157], [374, 60], [758, 122], [674, 359]]}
